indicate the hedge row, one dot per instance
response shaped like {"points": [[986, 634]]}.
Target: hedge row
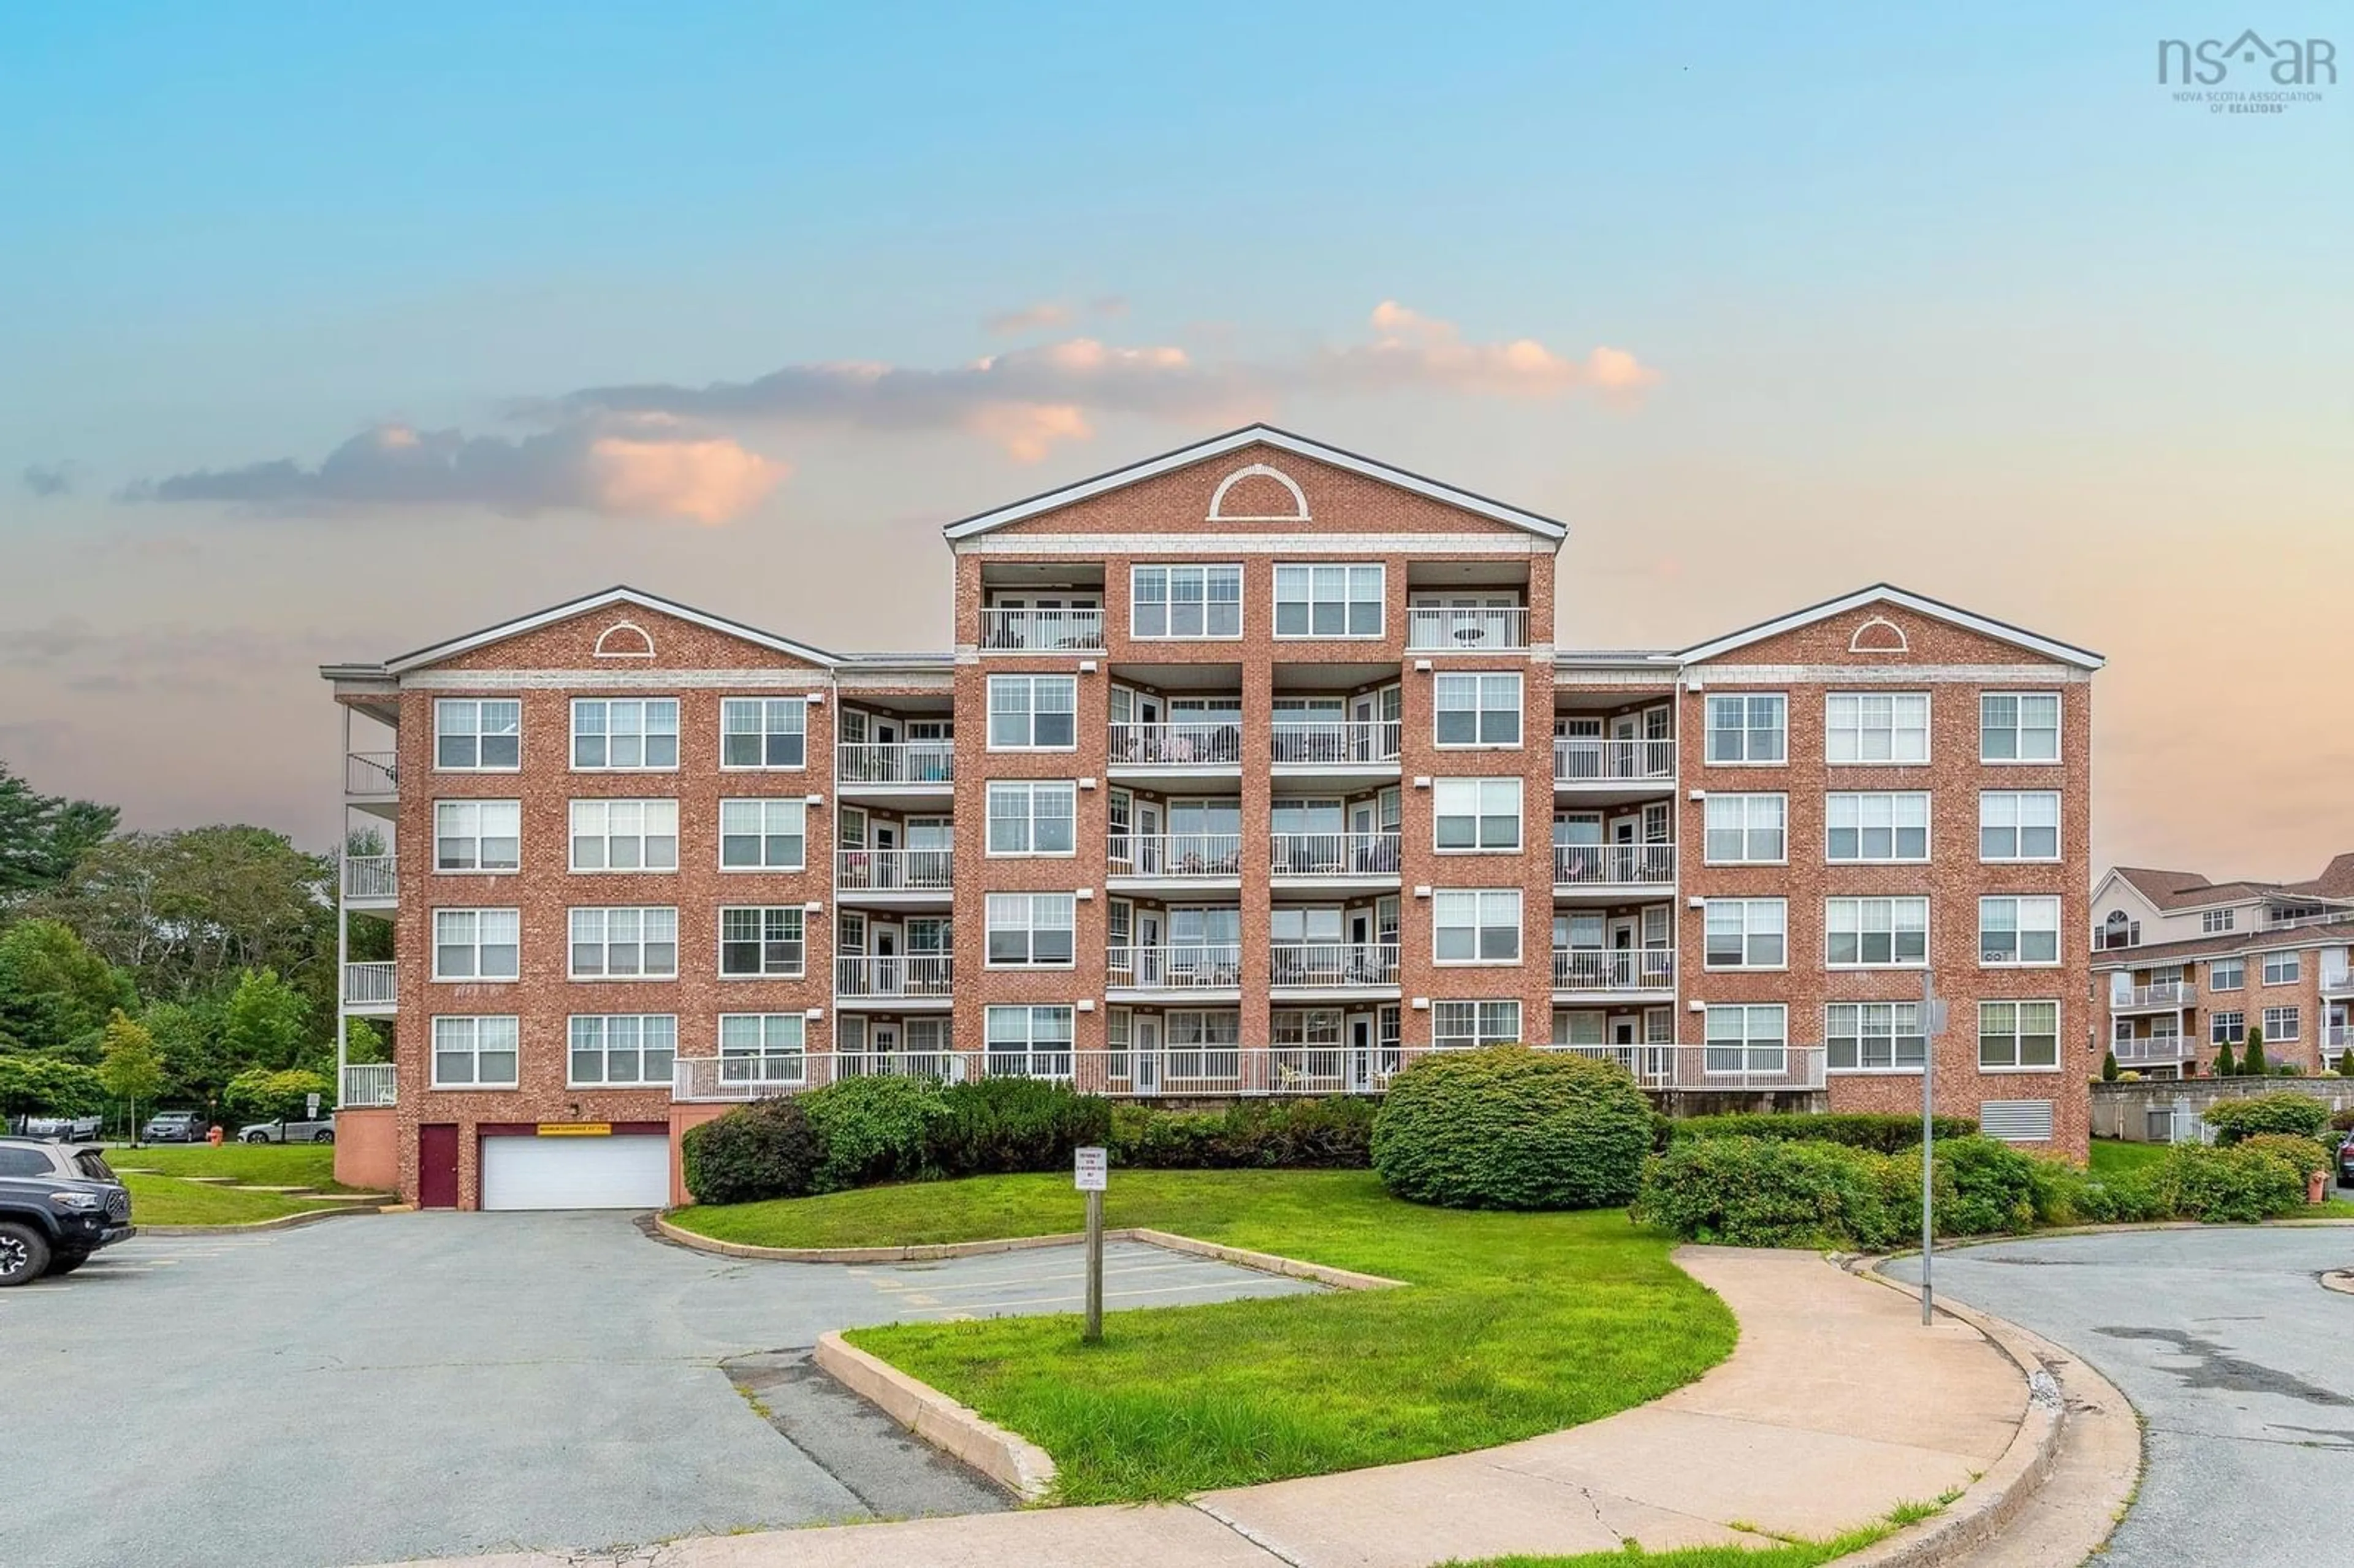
{"points": [[1883, 1134], [1311, 1134]]}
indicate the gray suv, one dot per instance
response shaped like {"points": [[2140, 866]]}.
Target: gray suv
{"points": [[59, 1203]]}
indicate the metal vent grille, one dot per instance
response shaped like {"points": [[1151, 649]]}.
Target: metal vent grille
{"points": [[2016, 1121]]}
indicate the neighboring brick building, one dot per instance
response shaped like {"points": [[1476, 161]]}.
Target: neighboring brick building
{"points": [[1253, 770]]}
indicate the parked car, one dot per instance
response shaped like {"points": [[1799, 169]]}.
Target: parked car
{"points": [[59, 1203], [2346, 1163], [68, 1128], [289, 1130], [175, 1126]]}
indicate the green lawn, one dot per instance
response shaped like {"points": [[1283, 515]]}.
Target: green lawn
{"points": [[1510, 1325], [2112, 1158], [162, 1199], [167, 1200]]}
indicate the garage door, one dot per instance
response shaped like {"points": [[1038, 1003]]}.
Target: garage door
{"points": [[630, 1171]]}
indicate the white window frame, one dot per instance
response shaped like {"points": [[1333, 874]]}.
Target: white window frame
{"points": [[1486, 905], [1481, 709], [2214, 922], [767, 711], [2017, 1033], [2291, 1015], [604, 1026], [1853, 717], [1753, 703], [1754, 927], [1746, 808], [2227, 1027], [1031, 684], [1995, 804], [2017, 729], [591, 820], [1033, 1044], [649, 914], [507, 1043], [2284, 967], [797, 946], [472, 941], [444, 811], [648, 733], [1869, 812], [2020, 930], [1874, 1028], [773, 809], [2236, 968], [1859, 917], [1303, 576], [764, 1049], [1483, 794], [478, 714], [1760, 1037], [1029, 790], [1171, 571], [1469, 1025], [999, 914]]}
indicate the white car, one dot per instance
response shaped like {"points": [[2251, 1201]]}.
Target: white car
{"points": [[289, 1131]]}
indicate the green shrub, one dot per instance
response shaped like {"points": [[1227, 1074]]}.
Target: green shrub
{"points": [[2283, 1110], [1757, 1191], [1316, 1134], [1994, 1188], [873, 1129], [1882, 1134], [2252, 1061], [2232, 1184], [45, 1086], [2343, 1122], [768, 1148], [2346, 1063], [1512, 1128], [2108, 1066], [259, 1094], [2310, 1156], [2224, 1067], [1003, 1126]]}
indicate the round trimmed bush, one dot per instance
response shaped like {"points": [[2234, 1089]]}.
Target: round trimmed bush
{"points": [[1508, 1127], [2283, 1110], [2309, 1155], [875, 1129], [768, 1148], [2235, 1184]]}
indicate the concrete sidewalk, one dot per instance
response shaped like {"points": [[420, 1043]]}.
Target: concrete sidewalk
{"points": [[1837, 1406]]}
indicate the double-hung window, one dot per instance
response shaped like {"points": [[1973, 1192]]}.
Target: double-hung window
{"points": [[1746, 1037], [474, 1053], [1875, 825], [1867, 933], [2282, 1024], [2211, 922], [1476, 925], [477, 835], [2223, 1028], [1033, 712], [763, 1048], [1876, 726], [1747, 830], [625, 835], [1749, 730], [762, 942], [1873, 1036], [2019, 726], [2018, 931], [1033, 816], [2227, 974], [763, 732], [2018, 1034], [477, 736], [618, 1050], [1478, 813], [1339, 600], [477, 943], [763, 835], [1028, 1042], [1032, 930], [2282, 969], [1747, 934], [1186, 602], [1477, 710], [2019, 824], [1468, 1025], [624, 734], [625, 944]]}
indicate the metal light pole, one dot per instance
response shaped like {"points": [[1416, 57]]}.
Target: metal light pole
{"points": [[1933, 1023]]}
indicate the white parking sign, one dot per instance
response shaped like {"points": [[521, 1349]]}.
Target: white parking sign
{"points": [[1089, 1169]]}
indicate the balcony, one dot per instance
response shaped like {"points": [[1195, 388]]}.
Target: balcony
{"points": [[368, 1085], [753, 1076], [1332, 966], [1176, 857], [1614, 969], [1040, 630], [895, 875], [2165, 996], [2338, 1037], [369, 988], [1613, 867], [922, 766], [2157, 1050], [371, 775], [1187, 967], [1431, 629], [1186, 744], [1715, 1069], [1335, 856], [2338, 982], [370, 879], [926, 979], [1582, 763], [1326, 742]]}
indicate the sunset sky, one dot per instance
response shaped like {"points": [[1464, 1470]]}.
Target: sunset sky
{"points": [[334, 330]]}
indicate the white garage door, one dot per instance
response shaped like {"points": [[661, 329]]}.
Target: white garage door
{"points": [[627, 1172]]}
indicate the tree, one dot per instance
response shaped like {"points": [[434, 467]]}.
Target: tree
{"points": [[264, 1095], [2224, 1067], [2346, 1065], [42, 836], [2252, 1064], [363, 1042], [130, 1068], [55, 992], [263, 1024], [2108, 1066], [198, 1066], [36, 1086]]}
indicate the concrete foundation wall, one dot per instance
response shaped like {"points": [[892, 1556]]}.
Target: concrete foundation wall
{"points": [[2122, 1111]]}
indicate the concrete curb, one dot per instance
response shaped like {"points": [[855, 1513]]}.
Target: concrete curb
{"points": [[1264, 1262], [282, 1223], [1020, 1466]]}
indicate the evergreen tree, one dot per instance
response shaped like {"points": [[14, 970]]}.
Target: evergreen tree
{"points": [[2108, 1066], [2224, 1067], [2252, 1064]]}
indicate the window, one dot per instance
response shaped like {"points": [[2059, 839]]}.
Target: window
{"points": [[1329, 601], [762, 1048], [476, 944], [1876, 827], [478, 736], [625, 944], [615, 734], [1479, 814], [1031, 929], [763, 835], [2227, 974], [1477, 710], [1747, 830], [1876, 726], [2018, 931], [1747, 1038], [1862, 932], [474, 1053], [1749, 730], [2281, 1024], [2118, 931], [2019, 726], [762, 943], [2282, 968], [1468, 1025], [2211, 921], [1186, 602], [1029, 1041], [2018, 1034], [1032, 817], [477, 835], [1873, 1036], [2223, 1028], [1033, 712], [1747, 934], [1307, 1026], [763, 732], [625, 835], [1476, 927], [2019, 824], [622, 1048]]}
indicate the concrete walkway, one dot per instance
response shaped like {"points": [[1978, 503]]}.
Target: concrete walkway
{"points": [[1837, 1406]]}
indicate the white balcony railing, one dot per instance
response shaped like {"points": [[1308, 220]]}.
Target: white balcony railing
{"points": [[1175, 966], [372, 876], [369, 985], [1589, 760], [1432, 628], [1614, 968], [370, 773], [1184, 743], [919, 975], [1179, 856], [1717, 1068], [1339, 742], [2337, 1037], [894, 762], [367, 1085], [1613, 865], [2337, 982], [892, 871], [1040, 630], [1332, 964], [2165, 1049], [2167, 993], [1333, 854]]}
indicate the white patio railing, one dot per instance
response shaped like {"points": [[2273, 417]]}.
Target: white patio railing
{"points": [[1590, 759], [1040, 630], [895, 762], [1335, 853], [374, 876], [1332, 964], [1613, 865], [2166, 993], [1336, 741], [1181, 742], [1613, 968], [367, 1085], [922, 975], [370, 773], [369, 985], [1171, 966], [1707, 1069], [892, 871], [2158, 1048], [1176, 855], [1433, 628]]}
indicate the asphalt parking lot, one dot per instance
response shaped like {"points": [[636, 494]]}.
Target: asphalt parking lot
{"points": [[382, 1387], [2241, 1365]]}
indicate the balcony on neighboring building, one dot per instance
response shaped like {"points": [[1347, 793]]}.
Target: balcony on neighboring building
{"points": [[1208, 745], [371, 779], [1366, 968], [924, 980], [1611, 971], [919, 877], [2165, 996], [1305, 744], [1610, 871], [369, 988], [1042, 628], [368, 1085], [1586, 763], [2156, 1050], [2337, 981], [1337, 859], [371, 881], [1199, 971], [922, 767], [1466, 627], [1196, 859]]}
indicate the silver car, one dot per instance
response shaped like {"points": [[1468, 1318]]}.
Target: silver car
{"points": [[289, 1130]]}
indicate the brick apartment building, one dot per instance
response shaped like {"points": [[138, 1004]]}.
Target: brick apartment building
{"points": [[1253, 769], [2186, 965]]}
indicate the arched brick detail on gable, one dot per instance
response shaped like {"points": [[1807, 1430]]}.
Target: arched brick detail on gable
{"points": [[1879, 635], [1257, 493], [625, 639]]}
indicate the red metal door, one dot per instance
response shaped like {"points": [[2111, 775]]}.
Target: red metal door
{"points": [[437, 1167]]}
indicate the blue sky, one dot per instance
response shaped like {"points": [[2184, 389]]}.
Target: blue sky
{"points": [[1960, 299]]}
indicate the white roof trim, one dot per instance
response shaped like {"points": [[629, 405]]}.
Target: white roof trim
{"points": [[630, 596], [1254, 435], [1884, 593]]}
